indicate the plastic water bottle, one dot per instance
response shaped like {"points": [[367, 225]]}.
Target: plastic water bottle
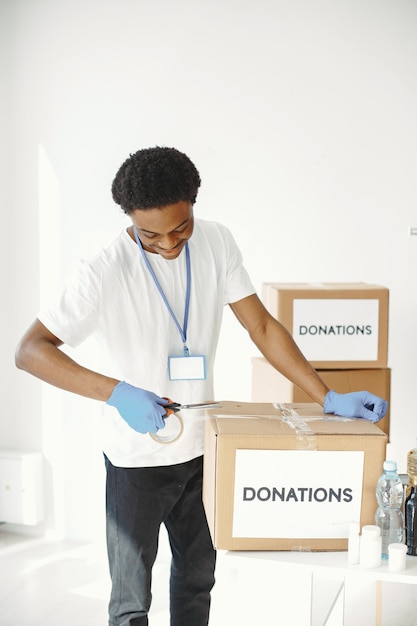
{"points": [[389, 516]]}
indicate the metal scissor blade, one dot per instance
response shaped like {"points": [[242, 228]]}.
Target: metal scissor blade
{"points": [[176, 406], [201, 405]]}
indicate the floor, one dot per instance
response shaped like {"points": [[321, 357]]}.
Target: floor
{"points": [[51, 583], [64, 583]]}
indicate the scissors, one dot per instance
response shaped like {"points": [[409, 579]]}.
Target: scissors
{"points": [[174, 407]]}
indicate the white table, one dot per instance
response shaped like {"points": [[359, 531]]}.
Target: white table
{"points": [[313, 589]]}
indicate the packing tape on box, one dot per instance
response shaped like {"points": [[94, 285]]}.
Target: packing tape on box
{"points": [[304, 435]]}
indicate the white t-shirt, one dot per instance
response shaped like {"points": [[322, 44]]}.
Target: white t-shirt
{"points": [[115, 298]]}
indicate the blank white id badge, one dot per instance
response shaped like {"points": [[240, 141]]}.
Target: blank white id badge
{"points": [[187, 367]]}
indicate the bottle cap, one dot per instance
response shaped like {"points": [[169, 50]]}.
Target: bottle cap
{"points": [[390, 466], [371, 531]]}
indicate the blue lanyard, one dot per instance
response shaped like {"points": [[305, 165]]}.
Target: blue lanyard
{"points": [[183, 330]]}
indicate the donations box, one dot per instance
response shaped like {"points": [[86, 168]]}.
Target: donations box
{"points": [[288, 477], [335, 325]]}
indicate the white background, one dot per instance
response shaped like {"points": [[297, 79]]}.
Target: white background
{"points": [[301, 118]]}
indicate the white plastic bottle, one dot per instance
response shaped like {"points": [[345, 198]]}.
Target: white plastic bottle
{"points": [[353, 543], [370, 547], [397, 557]]}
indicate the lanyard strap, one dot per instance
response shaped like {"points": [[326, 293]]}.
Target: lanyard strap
{"points": [[183, 330]]}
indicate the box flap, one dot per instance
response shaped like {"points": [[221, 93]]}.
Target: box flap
{"points": [[324, 286]]}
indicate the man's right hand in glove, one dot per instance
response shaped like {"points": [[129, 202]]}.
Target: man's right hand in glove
{"points": [[142, 410]]}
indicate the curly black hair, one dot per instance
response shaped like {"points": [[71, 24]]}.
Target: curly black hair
{"points": [[155, 177]]}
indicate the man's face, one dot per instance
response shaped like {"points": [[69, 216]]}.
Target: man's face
{"points": [[164, 230]]}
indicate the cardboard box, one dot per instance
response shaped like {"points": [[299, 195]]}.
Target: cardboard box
{"points": [[268, 385], [287, 477], [336, 325]]}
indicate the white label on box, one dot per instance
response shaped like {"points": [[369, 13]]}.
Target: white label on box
{"points": [[337, 329], [297, 493]]}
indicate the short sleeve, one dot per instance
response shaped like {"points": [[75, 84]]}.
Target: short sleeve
{"points": [[74, 316]]}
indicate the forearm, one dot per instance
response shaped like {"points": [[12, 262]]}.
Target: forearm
{"points": [[50, 364], [281, 351], [279, 348], [39, 353]]}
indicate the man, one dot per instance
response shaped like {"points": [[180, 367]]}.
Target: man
{"points": [[154, 297]]}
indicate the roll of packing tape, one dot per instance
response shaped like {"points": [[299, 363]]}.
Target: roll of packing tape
{"points": [[173, 433]]}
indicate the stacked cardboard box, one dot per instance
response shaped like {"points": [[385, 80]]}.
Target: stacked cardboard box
{"points": [[288, 477], [341, 328]]}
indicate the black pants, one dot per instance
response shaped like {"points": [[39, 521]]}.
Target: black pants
{"points": [[139, 500]]}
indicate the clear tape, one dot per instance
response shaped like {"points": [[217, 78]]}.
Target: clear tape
{"points": [[175, 436], [304, 435], [199, 416]]}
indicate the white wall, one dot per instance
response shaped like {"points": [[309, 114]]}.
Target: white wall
{"points": [[301, 117]]}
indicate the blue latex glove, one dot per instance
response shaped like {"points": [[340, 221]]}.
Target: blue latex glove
{"points": [[141, 409], [356, 404]]}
